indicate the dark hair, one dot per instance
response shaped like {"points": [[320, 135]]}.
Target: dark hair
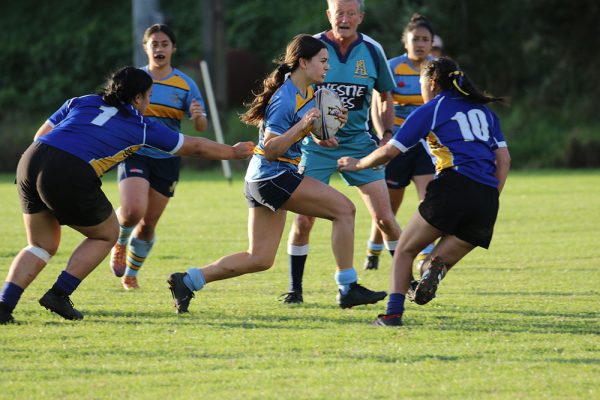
{"points": [[159, 28], [446, 73], [302, 46], [417, 21], [124, 84]]}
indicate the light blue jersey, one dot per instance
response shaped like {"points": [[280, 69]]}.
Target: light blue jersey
{"points": [[170, 102], [102, 135], [353, 77], [286, 108], [461, 135]]}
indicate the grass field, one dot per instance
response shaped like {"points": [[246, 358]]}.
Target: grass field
{"points": [[521, 320]]}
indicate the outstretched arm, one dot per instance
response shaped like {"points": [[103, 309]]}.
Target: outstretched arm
{"points": [[210, 150], [379, 156]]}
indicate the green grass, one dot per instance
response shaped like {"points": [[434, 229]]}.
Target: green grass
{"points": [[518, 321]]}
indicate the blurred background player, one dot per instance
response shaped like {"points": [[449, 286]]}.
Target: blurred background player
{"points": [[147, 179], [416, 164], [358, 66], [284, 112], [58, 179], [461, 204], [437, 48]]}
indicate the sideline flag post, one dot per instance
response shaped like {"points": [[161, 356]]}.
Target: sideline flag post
{"points": [[212, 105]]}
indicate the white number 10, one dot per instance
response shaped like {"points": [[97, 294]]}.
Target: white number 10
{"points": [[106, 114], [473, 125]]}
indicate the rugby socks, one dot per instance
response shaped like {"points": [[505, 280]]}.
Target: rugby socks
{"points": [[391, 246], [10, 295], [395, 304], [344, 278], [66, 284], [194, 279], [374, 249], [298, 255], [136, 254], [124, 231]]}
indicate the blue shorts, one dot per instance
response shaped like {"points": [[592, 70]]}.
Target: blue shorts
{"points": [[272, 193], [161, 173], [415, 162], [321, 162]]}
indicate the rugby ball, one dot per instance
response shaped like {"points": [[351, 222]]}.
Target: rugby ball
{"points": [[330, 106]]}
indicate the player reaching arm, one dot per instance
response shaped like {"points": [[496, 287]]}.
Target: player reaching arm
{"points": [[461, 204], [58, 180]]}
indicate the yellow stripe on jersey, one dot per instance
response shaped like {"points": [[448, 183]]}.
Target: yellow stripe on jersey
{"points": [[404, 69], [104, 164], [398, 121], [294, 161], [157, 110], [175, 81], [404, 99], [300, 101], [443, 156]]}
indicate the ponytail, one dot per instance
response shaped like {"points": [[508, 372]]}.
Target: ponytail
{"points": [[446, 73], [258, 107], [302, 46]]}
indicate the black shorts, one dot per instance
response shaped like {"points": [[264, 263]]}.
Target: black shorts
{"points": [[161, 173], [52, 179], [416, 161], [460, 206], [272, 193]]}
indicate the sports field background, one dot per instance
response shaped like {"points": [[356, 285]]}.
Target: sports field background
{"points": [[518, 321]]}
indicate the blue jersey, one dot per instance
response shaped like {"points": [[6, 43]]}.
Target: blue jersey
{"points": [[170, 102], [286, 108], [407, 89], [103, 135], [461, 135], [353, 77]]}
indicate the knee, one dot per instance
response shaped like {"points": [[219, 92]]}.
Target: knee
{"points": [[347, 211], [303, 225], [259, 264], [388, 224], [131, 215]]}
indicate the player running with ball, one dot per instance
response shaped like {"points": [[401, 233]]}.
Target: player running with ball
{"points": [[284, 112]]}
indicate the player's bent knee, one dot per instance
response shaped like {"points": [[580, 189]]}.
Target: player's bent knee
{"points": [[304, 223], [40, 253], [261, 265]]}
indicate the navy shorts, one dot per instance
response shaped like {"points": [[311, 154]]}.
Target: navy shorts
{"points": [[57, 181], [460, 206], [272, 193], [161, 173], [416, 161]]}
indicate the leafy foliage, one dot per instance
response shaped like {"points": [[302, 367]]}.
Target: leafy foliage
{"points": [[538, 52]]}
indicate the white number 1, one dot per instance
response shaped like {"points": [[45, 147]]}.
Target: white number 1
{"points": [[106, 114], [475, 126]]}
